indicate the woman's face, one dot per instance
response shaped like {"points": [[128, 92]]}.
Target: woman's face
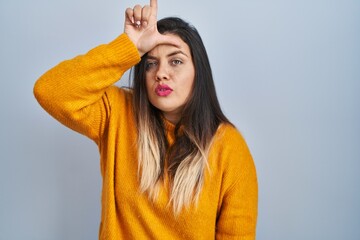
{"points": [[170, 75]]}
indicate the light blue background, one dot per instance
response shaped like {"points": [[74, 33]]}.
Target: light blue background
{"points": [[287, 74]]}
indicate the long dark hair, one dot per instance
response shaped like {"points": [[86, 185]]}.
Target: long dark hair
{"points": [[200, 119]]}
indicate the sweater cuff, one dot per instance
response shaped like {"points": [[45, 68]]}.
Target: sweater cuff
{"points": [[124, 51]]}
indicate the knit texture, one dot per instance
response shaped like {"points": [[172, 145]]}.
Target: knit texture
{"points": [[80, 93]]}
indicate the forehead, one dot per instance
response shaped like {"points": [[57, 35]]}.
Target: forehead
{"points": [[164, 49]]}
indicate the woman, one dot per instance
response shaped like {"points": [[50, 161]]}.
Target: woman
{"points": [[173, 166]]}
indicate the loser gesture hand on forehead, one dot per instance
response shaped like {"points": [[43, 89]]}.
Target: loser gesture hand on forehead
{"points": [[141, 28]]}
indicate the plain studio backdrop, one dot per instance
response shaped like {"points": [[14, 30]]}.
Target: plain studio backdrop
{"points": [[287, 74]]}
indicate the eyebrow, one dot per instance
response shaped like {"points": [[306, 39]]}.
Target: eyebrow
{"points": [[170, 54]]}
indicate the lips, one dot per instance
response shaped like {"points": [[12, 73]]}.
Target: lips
{"points": [[163, 90]]}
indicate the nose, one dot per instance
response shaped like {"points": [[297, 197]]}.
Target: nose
{"points": [[162, 73]]}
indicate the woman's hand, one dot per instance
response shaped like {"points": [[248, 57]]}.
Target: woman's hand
{"points": [[141, 28]]}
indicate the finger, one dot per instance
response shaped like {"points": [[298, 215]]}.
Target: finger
{"points": [[168, 40], [130, 15], [154, 6], [137, 14], [146, 12]]}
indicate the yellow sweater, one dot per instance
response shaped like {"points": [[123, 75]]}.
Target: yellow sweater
{"points": [[80, 93]]}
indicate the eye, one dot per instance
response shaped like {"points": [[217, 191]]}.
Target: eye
{"points": [[176, 62], [150, 64]]}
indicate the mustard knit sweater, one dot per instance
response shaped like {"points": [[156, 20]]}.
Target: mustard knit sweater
{"points": [[80, 93]]}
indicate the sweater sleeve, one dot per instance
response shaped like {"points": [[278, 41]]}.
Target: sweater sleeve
{"points": [[238, 213], [74, 91]]}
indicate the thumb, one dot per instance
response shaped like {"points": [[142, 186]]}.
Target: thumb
{"points": [[168, 39]]}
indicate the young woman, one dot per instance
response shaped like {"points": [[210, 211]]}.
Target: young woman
{"points": [[173, 166]]}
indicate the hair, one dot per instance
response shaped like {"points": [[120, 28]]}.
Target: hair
{"points": [[187, 156]]}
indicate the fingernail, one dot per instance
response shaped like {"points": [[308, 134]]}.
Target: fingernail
{"points": [[138, 23]]}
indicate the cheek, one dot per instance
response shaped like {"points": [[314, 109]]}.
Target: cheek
{"points": [[148, 83], [189, 84]]}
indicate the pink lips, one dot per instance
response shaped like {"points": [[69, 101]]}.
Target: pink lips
{"points": [[163, 90]]}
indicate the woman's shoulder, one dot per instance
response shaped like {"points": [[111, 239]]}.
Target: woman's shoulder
{"points": [[119, 99], [115, 89], [228, 134], [116, 93], [230, 146]]}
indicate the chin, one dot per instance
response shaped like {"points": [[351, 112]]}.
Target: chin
{"points": [[165, 109]]}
